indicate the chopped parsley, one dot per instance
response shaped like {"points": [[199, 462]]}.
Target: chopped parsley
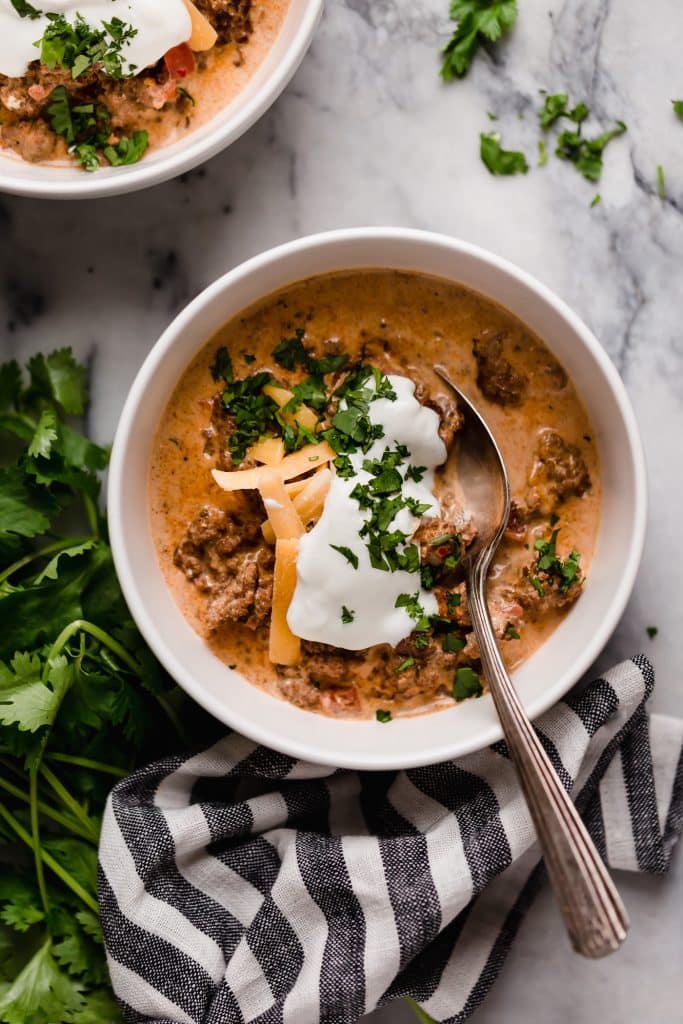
{"points": [[661, 189], [551, 565], [221, 368], [79, 48], [25, 9], [382, 715], [466, 684], [350, 556], [678, 108], [452, 643], [411, 603], [477, 21], [499, 160], [652, 632], [405, 665], [347, 614], [85, 129]]}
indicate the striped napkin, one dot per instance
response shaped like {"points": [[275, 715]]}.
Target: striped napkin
{"points": [[239, 885]]}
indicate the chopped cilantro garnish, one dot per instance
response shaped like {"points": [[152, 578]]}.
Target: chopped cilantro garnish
{"points": [[586, 154], [556, 106], [415, 473], [499, 160], [542, 153], [661, 189], [595, 200], [350, 556], [25, 9], [255, 414], [85, 129], [477, 21], [652, 632], [453, 601], [405, 665], [548, 562], [79, 48], [466, 684], [512, 634], [382, 715], [221, 368], [452, 643], [411, 603], [347, 614], [186, 95], [678, 108]]}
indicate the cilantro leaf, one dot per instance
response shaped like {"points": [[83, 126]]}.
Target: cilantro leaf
{"points": [[24, 509], [466, 684], [41, 988], [586, 154], [499, 160], [10, 384], [26, 10], [25, 700], [477, 21], [347, 614], [350, 556], [44, 435], [382, 715], [20, 906], [678, 108], [60, 378]]}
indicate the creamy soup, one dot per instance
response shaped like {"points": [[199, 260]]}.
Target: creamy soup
{"points": [[106, 81], [330, 571]]}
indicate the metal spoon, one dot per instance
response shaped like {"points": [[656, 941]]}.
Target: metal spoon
{"points": [[592, 909]]}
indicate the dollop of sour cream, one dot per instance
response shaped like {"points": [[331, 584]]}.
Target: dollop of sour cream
{"points": [[326, 581], [160, 24]]}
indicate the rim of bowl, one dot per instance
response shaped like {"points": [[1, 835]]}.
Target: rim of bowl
{"points": [[232, 716], [144, 175]]}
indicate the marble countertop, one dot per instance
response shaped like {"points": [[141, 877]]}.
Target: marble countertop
{"points": [[367, 134]]}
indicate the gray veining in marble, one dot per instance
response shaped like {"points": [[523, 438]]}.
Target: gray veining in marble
{"points": [[367, 134]]}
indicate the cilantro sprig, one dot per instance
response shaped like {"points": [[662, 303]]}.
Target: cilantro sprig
{"points": [[585, 154], [80, 697], [478, 22]]}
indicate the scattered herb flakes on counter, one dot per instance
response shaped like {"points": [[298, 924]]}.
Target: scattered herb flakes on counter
{"points": [[678, 108], [499, 160], [81, 698], [477, 21], [595, 200], [661, 185], [585, 154], [652, 632]]}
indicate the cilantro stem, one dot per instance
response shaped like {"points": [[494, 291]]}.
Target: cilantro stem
{"points": [[120, 651], [54, 865], [419, 1012], [46, 810], [92, 514], [35, 836], [86, 762], [69, 802], [50, 549]]}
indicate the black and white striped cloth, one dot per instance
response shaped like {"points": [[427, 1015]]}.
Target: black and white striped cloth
{"points": [[239, 885]]}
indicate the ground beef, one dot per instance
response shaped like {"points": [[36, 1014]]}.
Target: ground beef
{"points": [[323, 679], [559, 471], [223, 554], [496, 377], [33, 141], [516, 528], [230, 18], [450, 415]]}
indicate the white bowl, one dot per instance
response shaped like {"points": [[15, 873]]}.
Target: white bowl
{"points": [[424, 739], [195, 146]]}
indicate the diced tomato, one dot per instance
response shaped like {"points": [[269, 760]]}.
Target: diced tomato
{"points": [[179, 61]]}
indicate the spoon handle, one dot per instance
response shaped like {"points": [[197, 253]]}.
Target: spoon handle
{"points": [[594, 915]]}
